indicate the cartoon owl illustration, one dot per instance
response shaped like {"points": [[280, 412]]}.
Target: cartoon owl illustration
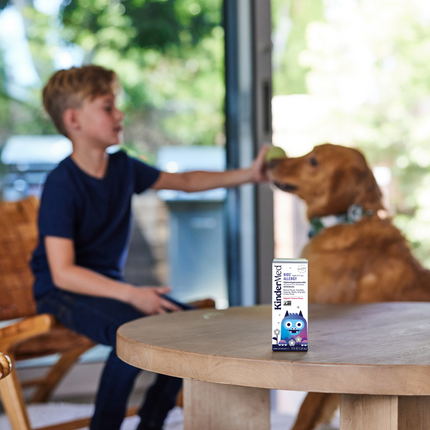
{"points": [[294, 329]]}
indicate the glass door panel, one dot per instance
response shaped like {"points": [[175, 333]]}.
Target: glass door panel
{"points": [[169, 56], [352, 73]]}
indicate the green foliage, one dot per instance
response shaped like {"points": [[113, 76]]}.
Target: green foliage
{"points": [[160, 25], [290, 20], [4, 99], [18, 117], [168, 55]]}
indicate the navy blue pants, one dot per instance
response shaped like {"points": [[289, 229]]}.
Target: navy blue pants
{"points": [[99, 319]]}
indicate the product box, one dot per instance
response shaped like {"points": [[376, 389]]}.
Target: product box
{"points": [[290, 323]]}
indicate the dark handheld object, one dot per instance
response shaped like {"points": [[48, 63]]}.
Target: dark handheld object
{"points": [[183, 306]]}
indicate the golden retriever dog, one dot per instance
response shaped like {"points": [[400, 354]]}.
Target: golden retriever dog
{"points": [[355, 255]]}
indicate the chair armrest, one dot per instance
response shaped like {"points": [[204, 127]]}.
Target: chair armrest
{"points": [[24, 329], [5, 365]]}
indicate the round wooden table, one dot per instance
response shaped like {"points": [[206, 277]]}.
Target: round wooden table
{"points": [[376, 355]]}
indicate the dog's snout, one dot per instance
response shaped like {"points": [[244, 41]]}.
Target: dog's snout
{"points": [[273, 162]]}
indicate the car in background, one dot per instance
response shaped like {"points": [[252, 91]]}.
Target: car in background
{"points": [[27, 160]]}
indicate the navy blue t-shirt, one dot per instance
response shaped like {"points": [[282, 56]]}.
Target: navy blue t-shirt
{"points": [[94, 213]]}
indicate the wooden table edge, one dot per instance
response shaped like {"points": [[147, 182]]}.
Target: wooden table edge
{"points": [[316, 377]]}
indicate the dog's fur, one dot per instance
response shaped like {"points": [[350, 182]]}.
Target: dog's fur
{"points": [[368, 261]]}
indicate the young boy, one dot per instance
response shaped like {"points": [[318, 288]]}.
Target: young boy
{"points": [[84, 227]]}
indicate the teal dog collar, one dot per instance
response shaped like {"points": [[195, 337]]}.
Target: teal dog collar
{"points": [[354, 213]]}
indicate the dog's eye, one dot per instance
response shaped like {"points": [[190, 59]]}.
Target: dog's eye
{"points": [[313, 162]]}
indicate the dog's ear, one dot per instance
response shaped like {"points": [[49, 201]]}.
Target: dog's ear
{"points": [[368, 193], [343, 189], [355, 185]]}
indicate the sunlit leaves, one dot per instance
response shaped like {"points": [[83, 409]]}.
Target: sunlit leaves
{"points": [[156, 24], [168, 55], [290, 20]]}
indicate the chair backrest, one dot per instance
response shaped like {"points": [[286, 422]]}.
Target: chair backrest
{"points": [[18, 238]]}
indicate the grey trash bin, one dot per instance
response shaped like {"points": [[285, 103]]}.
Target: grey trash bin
{"points": [[196, 248]]}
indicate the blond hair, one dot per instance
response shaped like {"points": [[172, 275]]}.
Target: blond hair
{"points": [[68, 88]]}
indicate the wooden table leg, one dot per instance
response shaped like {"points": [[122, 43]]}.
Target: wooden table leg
{"points": [[365, 412], [414, 412], [216, 406]]}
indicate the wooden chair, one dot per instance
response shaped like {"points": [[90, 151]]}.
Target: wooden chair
{"points": [[5, 365], [32, 335]]}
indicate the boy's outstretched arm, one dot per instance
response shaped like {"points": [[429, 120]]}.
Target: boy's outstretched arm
{"points": [[66, 275], [202, 180]]}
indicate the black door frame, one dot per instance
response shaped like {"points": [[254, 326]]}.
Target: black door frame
{"points": [[248, 71]]}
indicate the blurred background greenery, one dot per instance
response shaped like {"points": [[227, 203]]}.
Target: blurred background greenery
{"points": [[168, 55], [352, 72], [362, 69]]}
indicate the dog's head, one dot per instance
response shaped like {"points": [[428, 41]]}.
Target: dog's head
{"points": [[329, 179]]}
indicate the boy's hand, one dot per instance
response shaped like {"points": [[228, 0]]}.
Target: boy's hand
{"points": [[258, 168], [149, 301]]}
